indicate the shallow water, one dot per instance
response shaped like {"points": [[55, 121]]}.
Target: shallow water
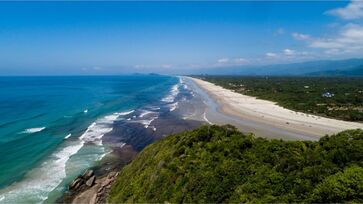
{"points": [[52, 128]]}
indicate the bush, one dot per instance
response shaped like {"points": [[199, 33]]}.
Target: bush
{"points": [[219, 164]]}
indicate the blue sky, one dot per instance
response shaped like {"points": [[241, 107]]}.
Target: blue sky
{"points": [[118, 37]]}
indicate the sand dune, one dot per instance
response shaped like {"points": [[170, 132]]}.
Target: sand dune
{"points": [[268, 113]]}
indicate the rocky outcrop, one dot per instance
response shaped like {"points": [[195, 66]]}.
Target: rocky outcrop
{"points": [[95, 190], [88, 174], [91, 181], [104, 189], [82, 182], [76, 184]]}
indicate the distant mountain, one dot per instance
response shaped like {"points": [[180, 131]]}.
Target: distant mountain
{"points": [[345, 67], [351, 72]]}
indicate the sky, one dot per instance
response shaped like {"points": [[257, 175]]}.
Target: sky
{"points": [[61, 38]]}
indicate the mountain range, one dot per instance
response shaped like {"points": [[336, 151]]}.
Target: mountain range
{"points": [[347, 67]]}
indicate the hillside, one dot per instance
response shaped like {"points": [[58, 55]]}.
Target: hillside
{"points": [[220, 164]]}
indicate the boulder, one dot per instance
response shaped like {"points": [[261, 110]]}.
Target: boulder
{"points": [[91, 181], [76, 183], [88, 174]]}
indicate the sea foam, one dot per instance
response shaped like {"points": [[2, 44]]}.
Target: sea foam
{"points": [[43, 179], [172, 94], [33, 130], [100, 127], [170, 98], [68, 136], [39, 182], [145, 112]]}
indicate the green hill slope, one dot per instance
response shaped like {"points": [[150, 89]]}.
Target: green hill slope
{"points": [[220, 164]]}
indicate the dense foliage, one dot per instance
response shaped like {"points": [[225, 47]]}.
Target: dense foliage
{"points": [[220, 164], [303, 93]]}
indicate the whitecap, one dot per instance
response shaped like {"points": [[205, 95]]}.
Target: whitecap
{"points": [[116, 115], [43, 179], [173, 106], [85, 111], [145, 112], [100, 127], [125, 113], [66, 137], [37, 184], [146, 123], [172, 94], [33, 130]]}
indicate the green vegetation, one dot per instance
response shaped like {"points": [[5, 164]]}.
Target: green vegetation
{"points": [[220, 164], [303, 93]]}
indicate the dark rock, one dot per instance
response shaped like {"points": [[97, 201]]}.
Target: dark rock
{"points": [[76, 183], [91, 181], [88, 174]]}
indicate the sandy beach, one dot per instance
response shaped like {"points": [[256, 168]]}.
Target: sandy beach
{"points": [[266, 114]]}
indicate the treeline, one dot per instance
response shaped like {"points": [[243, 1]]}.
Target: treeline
{"points": [[303, 94], [215, 164]]}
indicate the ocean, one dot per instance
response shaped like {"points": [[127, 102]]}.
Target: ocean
{"points": [[53, 128]]}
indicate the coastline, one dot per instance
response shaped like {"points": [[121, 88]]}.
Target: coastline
{"points": [[209, 104], [176, 112], [265, 114]]}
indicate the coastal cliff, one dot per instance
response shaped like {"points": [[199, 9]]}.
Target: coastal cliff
{"points": [[221, 164]]}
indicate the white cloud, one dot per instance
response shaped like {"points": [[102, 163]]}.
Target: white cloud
{"points": [[350, 38], [300, 36], [288, 55], [231, 61], [223, 60], [289, 52], [353, 10], [271, 55], [241, 61]]}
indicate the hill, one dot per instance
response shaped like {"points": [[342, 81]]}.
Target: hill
{"points": [[358, 71], [220, 164]]}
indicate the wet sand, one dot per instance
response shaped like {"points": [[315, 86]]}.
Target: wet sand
{"points": [[262, 117]]}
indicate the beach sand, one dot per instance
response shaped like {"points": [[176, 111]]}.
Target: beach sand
{"points": [[265, 118]]}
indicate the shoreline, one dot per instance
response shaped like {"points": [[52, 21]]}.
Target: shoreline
{"points": [[209, 104], [142, 127], [262, 115], [104, 174]]}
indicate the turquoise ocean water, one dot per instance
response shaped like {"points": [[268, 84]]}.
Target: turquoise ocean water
{"points": [[45, 123]]}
